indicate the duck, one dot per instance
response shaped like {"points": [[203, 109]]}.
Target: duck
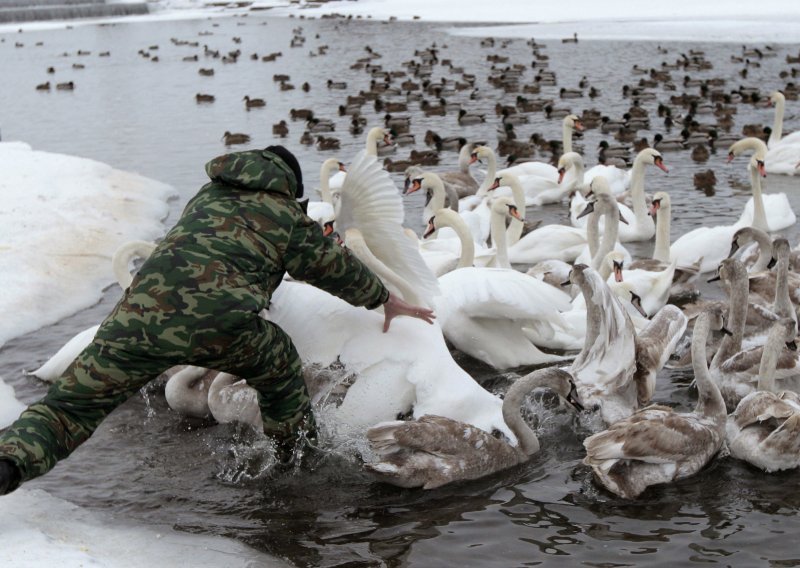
{"points": [[253, 103], [465, 118], [204, 98], [764, 430], [327, 143], [232, 138], [280, 129], [783, 150], [433, 451], [657, 444]]}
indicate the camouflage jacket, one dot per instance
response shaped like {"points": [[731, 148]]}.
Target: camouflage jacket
{"points": [[229, 251]]}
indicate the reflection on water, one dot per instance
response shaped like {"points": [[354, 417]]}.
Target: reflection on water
{"points": [[148, 464]]}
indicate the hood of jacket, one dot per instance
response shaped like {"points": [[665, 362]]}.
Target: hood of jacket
{"points": [[255, 170]]}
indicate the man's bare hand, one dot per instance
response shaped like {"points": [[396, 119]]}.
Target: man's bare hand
{"points": [[395, 306]]}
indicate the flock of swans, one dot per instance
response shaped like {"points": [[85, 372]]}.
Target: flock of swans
{"points": [[602, 323]]}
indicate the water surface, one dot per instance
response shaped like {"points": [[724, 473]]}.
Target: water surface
{"points": [[147, 464]]}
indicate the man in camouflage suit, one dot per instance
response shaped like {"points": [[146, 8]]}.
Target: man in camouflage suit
{"points": [[196, 301]]}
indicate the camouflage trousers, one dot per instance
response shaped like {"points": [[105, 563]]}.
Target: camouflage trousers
{"points": [[105, 375]]}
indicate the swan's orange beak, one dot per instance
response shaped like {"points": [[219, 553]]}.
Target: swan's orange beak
{"points": [[327, 228], [654, 207], [473, 158], [388, 139], [731, 156], [579, 126], [341, 167], [561, 172], [416, 185], [617, 271], [659, 163], [431, 228], [762, 170], [514, 212], [495, 185]]}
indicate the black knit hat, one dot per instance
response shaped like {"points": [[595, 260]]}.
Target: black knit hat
{"points": [[289, 159]]}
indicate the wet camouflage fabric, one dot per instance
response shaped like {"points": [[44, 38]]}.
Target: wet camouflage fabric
{"points": [[196, 301]]}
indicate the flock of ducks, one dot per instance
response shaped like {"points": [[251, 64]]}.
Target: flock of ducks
{"points": [[601, 322]]}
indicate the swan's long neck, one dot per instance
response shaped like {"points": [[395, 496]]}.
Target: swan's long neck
{"points": [[769, 358], [764, 250], [783, 303], [590, 288], [124, 255], [609, 240], [578, 170], [497, 229], [464, 158], [514, 231], [491, 173], [710, 401], [759, 214], [449, 218], [552, 378], [737, 318], [325, 184], [663, 220], [566, 137], [777, 125], [356, 243], [637, 191], [437, 188], [372, 141]]}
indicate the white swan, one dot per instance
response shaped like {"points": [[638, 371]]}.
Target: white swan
{"points": [[570, 178], [708, 246], [684, 277], [445, 255], [783, 151], [433, 451], [322, 211], [371, 205], [658, 445], [652, 287], [54, 367], [374, 135], [406, 369], [764, 430], [477, 222], [770, 212], [603, 211], [640, 225], [484, 312]]}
